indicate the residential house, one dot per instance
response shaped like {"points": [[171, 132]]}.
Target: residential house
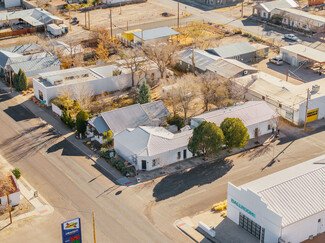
{"points": [[258, 117], [98, 79], [14, 194], [218, 2], [206, 62], [263, 10], [151, 114], [29, 59], [300, 20], [152, 36], [241, 51], [150, 148], [297, 55], [11, 3], [286, 99]]}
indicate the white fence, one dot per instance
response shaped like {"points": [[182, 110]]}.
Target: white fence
{"points": [[56, 110]]}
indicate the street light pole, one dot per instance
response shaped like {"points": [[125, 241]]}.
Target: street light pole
{"points": [[306, 110], [178, 14]]}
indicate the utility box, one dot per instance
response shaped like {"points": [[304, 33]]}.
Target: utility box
{"points": [[128, 35]]}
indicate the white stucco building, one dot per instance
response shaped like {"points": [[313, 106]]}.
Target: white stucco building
{"points": [[152, 147], [258, 117], [287, 206], [287, 99], [51, 84]]}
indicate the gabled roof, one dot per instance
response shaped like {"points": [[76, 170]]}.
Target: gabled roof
{"points": [[5, 57], [232, 50], [134, 115], [202, 59], [35, 17], [269, 6], [155, 33], [302, 14], [36, 64], [99, 123], [251, 112], [294, 193], [22, 48], [151, 141]]}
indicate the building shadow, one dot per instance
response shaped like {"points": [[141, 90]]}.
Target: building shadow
{"points": [[28, 142], [68, 149], [19, 113], [179, 182]]}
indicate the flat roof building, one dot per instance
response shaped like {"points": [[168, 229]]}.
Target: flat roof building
{"points": [[287, 206], [154, 35]]}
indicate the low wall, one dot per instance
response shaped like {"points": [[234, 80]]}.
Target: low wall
{"points": [[56, 110]]}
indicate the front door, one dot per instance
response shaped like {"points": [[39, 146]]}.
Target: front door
{"points": [[184, 154], [144, 165]]}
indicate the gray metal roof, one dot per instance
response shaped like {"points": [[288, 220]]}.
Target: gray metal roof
{"points": [[134, 115], [156, 109], [5, 57], [99, 124], [269, 6], [36, 64], [104, 71], [23, 48], [202, 59], [232, 50], [155, 33], [35, 17], [251, 112], [294, 193]]}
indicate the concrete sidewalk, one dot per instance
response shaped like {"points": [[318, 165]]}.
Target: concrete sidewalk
{"points": [[47, 116], [40, 205]]}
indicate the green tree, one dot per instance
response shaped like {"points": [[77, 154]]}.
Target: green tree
{"points": [[144, 95], [22, 83], [207, 139], [236, 135], [15, 81], [176, 120], [16, 173], [81, 121], [67, 119]]}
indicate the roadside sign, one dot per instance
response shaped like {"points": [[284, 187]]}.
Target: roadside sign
{"points": [[312, 115], [43, 101], [71, 231]]}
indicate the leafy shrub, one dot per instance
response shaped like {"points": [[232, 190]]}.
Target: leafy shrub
{"points": [[220, 206], [81, 121], [67, 119], [16, 173], [176, 120]]}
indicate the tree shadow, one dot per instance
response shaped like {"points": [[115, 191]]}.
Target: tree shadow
{"points": [[179, 182], [19, 113], [28, 142]]}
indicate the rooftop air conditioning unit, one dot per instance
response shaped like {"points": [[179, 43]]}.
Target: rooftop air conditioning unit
{"points": [[254, 77]]}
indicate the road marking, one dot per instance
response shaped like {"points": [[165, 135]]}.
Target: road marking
{"points": [[180, 225], [43, 211]]}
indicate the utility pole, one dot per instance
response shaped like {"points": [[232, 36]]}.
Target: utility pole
{"points": [[94, 226], [242, 8], [127, 25], [193, 64], [287, 75], [178, 14], [141, 37], [10, 80], [69, 17], [85, 19], [111, 22], [306, 110], [89, 20], [9, 208], [44, 28], [120, 8]]}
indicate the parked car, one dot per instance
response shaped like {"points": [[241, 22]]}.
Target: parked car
{"points": [[291, 37], [276, 60]]}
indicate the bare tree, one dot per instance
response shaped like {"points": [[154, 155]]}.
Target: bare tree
{"points": [[133, 59], [161, 54], [185, 92], [83, 94], [6, 187]]}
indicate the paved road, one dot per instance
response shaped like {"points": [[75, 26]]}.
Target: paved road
{"points": [[70, 183]]}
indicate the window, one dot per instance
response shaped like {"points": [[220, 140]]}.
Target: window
{"points": [[179, 155], [263, 97], [269, 127], [40, 95], [155, 162], [280, 105], [184, 154]]}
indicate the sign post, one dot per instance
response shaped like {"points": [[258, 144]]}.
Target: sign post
{"points": [[71, 231]]}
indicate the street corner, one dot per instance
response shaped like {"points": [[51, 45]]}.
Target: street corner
{"points": [[125, 181], [186, 227]]}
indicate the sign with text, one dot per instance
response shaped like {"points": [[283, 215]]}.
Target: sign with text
{"points": [[71, 231]]}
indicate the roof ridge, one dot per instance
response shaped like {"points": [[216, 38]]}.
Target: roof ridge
{"points": [[294, 178]]}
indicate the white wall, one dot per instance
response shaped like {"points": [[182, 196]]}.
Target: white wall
{"points": [[263, 216], [97, 86], [166, 158], [317, 103], [289, 57], [14, 199], [302, 229], [12, 3]]}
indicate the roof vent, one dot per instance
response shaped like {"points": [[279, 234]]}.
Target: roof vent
{"points": [[315, 88], [254, 77]]}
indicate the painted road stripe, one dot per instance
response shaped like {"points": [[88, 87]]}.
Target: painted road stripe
{"points": [[43, 211]]}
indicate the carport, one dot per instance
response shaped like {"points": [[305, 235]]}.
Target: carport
{"points": [[299, 55]]}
